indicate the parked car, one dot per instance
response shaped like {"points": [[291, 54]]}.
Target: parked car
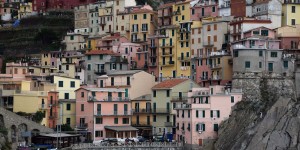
{"points": [[111, 141], [98, 142]]}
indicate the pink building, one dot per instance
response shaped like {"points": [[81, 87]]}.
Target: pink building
{"points": [[104, 112], [108, 42], [198, 119], [53, 110], [203, 9]]}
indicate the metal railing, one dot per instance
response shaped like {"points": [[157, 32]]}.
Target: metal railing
{"points": [[113, 113], [151, 145]]}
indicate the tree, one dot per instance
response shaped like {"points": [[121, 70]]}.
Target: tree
{"points": [[65, 127]]}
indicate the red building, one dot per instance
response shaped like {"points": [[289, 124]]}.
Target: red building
{"points": [[238, 8], [53, 110]]}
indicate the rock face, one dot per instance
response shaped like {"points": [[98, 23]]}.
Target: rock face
{"points": [[267, 118]]}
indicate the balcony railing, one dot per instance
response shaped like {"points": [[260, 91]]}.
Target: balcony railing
{"points": [[179, 98], [166, 45], [167, 63], [216, 77], [291, 1], [208, 44], [201, 93], [144, 29], [141, 124], [152, 64], [160, 111], [116, 99], [203, 78], [43, 106], [53, 115], [141, 111], [113, 113], [166, 54], [221, 53], [100, 71], [82, 125], [184, 58], [183, 106], [215, 66]]}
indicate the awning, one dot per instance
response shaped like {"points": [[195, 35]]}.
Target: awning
{"points": [[121, 128]]}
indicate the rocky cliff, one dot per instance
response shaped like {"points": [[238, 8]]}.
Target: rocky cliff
{"points": [[266, 119]]}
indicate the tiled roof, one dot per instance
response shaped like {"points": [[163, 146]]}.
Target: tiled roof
{"points": [[98, 52], [124, 72], [169, 83], [142, 11], [112, 37]]}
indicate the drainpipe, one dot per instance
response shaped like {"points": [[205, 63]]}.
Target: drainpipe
{"points": [[93, 121]]}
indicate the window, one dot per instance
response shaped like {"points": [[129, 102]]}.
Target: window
{"points": [[67, 67], [176, 18], [215, 113], [260, 64], [89, 57], [168, 93], [255, 32], [232, 99], [82, 107], [293, 9], [293, 21], [215, 38], [214, 9], [72, 84], [264, 32], [182, 17], [183, 7], [98, 133], [197, 114], [89, 67], [236, 53], [154, 118], [193, 11], [99, 120], [285, 64], [66, 95], [273, 54], [173, 32], [125, 120], [68, 107], [215, 27], [247, 64], [145, 16], [208, 27], [116, 120], [100, 57], [68, 121], [135, 17], [200, 127], [189, 113], [260, 53], [60, 83], [216, 127], [72, 37], [154, 93]]}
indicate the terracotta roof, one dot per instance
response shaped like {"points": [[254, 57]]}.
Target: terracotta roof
{"points": [[98, 52], [166, 5], [169, 83], [111, 37], [142, 11]]}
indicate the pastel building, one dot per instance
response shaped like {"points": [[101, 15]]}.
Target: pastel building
{"points": [[198, 118], [53, 111], [290, 12], [259, 52], [136, 83], [104, 112], [163, 94], [107, 42], [203, 9], [75, 41], [289, 37]]}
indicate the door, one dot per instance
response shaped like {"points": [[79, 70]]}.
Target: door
{"points": [[112, 80], [101, 83], [98, 109], [125, 109], [109, 28], [180, 94], [168, 106], [154, 107], [174, 74], [126, 93], [137, 120], [148, 120], [148, 107], [270, 66], [137, 107], [200, 142], [109, 96]]}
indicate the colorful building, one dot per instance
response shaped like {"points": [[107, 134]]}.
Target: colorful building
{"points": [[163, 94], [53, 111], [104, 112], [25, 10], [198, 118], [290, 12], [136, 83], [203, 9], [289, 37], [141, 115]]}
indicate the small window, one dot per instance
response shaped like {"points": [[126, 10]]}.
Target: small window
{"points": [[260, 64], [182, 17], [214, 9], [68, 107], [101, 57], [82, 107], [183, 7], [154, 93], [293, 21], [193, 11], [145, 16], [99, 120], [89, 57], [60, 83], [154, 118], [135, 17], [232, 99], [260, 53], [293, 9], [89, 67], [285, 64], [82, 94], [72, 37], [247, 64], [72, 84], [168, 93], [255, 32], [236, 53], [116, 121], [125, 120], [265, 32], [273, 54]]}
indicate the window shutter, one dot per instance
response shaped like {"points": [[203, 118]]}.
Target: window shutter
{"points": [[203, 112], [218, 113], [197, 113], [203, 127], [211, 114], [197, 127]]}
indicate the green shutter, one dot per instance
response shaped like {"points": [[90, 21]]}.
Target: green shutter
{"points": [[197, 127], [197, 114], [232, 99], [216, 127], [211, 114], [218, 113], [203, 127], [203, 112]]}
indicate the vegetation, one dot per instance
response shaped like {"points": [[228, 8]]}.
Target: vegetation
{"points": [[37, 117], [65, 127]]}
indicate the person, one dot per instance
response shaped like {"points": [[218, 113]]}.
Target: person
{"points": [[127, 140]]}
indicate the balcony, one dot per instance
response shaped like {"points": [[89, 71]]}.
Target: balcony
{"points": [[153, 55], [141, 111], [43, 106], [102, 23], [168, 45], [160, 111], [182, 39], [184, 59], [183, 106], [217, 54], [100, 72], [179, 99], [134, 30], [215, 66], [152, 46], [200, 93], [137, 40], [118, 60], [169, 124], [216, 77], [141, 124], [53, 116], [176, 12], [184, 30], [152, 64], [204, 78], [82, 125], [208, 44], [141, 51], [116, 99], [113, 113], [170, 63], [165, 54]]}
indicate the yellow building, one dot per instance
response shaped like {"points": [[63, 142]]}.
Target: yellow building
{"points": [[25, 10], [66, 87], [290, 12], [174, 44], [141, 118]]}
